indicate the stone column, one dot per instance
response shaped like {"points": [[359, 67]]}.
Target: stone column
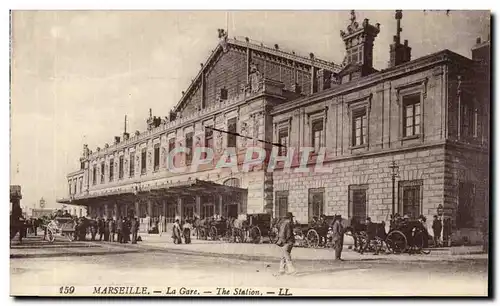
{"points": [[89, 210], [136, 208], [150, 208], [116, 212], [164, 208], [106, 211], [219, 203], [178, 214], [198, 206]]}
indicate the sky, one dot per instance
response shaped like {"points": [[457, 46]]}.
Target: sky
{"points": [[76, 74]]}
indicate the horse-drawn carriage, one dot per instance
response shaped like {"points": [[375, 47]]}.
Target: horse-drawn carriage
{"points": [[253, 228], [404, 236], [210, 228], [62, 227], [315, 233]]}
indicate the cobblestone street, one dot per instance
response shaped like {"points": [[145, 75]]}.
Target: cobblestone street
{"points": [[88, 264]]}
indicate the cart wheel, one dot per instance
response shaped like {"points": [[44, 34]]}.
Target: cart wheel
{"points": [[213, 233], [312, 238], [203, 234], [396, 241], [70, 236], [255, 235], [419, 243], [273, 235], [50, 236]]}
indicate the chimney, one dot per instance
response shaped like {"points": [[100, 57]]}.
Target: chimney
{"points": [[117, 139], [324, 79], [399, 53], [359, 39]]}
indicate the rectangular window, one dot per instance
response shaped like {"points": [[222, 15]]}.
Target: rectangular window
{"points": [[209, 138], [231, 137], [317, 134], [188, 211], [358, 202], [208, 211], [171, 211], [102, 173], [69, 185], [156, 161], [171, 147], [281, 203], [82, 165], [283, 140], [120, 168], [465, 217], [468, 121], [410, 198], [81, 185], [316, 202], [132, 164], [74, 186], [359, 127], [94, 175], [189, 147], [111, 169], [411, 115], [143, 161]]}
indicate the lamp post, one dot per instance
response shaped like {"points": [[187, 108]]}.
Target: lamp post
{"points": [[395, 173]]}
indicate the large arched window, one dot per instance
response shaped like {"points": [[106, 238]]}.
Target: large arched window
{"points": [[233, 182]]}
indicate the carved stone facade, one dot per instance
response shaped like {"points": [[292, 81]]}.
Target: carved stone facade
{"points": [[363, 126]]}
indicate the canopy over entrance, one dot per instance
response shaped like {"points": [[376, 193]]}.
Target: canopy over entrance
{"points": [[169, 189]]}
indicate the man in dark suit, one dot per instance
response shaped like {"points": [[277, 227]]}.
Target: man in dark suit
{"points": [[338, 237], [119, 229], [134, 228], [286, 240], [437, 226]]}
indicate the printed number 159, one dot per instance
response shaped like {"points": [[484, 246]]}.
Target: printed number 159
{"points": [[67, 290]]}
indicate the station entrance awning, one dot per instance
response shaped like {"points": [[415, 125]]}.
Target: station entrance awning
{"points": [[164, 189]]}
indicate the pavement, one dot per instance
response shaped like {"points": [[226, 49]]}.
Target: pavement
{"points": [[270, 251], [41, 268], [246, 251]]}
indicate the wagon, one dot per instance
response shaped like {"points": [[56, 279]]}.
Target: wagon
{"points": [[218, 229], [367, 237], [408, 236], [253, 228], [62, 227]]}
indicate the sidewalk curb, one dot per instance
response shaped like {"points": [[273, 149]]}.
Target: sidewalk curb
{"points": [[161, 249], [69, 254]]}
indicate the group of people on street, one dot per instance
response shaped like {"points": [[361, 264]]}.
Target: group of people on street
{"points": [[180, 231], [121, 230]]}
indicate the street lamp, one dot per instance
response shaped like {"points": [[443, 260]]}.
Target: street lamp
{"points": [[395, 173]]}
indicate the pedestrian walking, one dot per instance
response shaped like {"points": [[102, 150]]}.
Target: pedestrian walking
{"points": [[119, 229], [176, 232], [437, 226], [338, 237], [126, 230], [286, 240], [134, 228], [93, 229], [111, 229], [186, 231], [100, 227]]}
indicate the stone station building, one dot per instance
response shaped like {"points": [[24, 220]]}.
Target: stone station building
{"points": [[427, 117]]}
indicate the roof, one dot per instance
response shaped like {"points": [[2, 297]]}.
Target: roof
{"points": [[247, 43], [180, 188]]}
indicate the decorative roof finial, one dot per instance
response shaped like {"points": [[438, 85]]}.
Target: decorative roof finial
{"points": [[353, 16], [398, 16]]}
